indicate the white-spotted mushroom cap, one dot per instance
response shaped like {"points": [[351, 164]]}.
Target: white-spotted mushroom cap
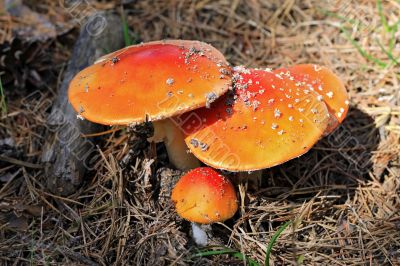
{"points": [[150, 81], [204, 196], [267, 120], [329, 86]]}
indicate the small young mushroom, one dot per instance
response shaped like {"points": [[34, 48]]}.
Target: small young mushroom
{"points": [[203, 196], [267, 120], [152, 82]]}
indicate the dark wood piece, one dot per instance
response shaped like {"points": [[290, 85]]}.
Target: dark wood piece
{"points": [[67, 155]]}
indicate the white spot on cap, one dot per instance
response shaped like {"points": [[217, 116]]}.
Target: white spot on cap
{"points": [[170, 81], [317, 68], [277, 113], [241, 69], [330, 95]]}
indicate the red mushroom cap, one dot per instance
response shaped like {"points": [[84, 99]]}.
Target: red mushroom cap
{"points": [[150, 81], [269, 119], [204, 196]]}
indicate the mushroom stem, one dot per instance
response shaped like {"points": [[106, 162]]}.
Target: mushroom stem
{"points": [[178, 153], [200, 233]]}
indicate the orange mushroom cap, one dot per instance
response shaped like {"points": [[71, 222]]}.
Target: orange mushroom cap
{"points": [[269, 119], [149, 82], [328, 85], [204, 196]]}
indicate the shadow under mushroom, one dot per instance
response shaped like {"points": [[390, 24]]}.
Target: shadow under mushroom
{"points": [[339, 162]]}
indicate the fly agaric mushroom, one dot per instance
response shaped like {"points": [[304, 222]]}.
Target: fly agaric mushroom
{"points": [[152, 82], [203, 196], [267, 120]]}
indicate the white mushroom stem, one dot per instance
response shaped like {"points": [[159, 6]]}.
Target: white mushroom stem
{"points": [[169, 132], [201, 233]]}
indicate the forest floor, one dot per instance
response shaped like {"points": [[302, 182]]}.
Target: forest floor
{"points": [[342, 197]]}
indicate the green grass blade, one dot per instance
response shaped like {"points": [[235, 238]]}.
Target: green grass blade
{"points": [[392, 30], [388, 53], [125, 28], [362, 51], [393, 37], [392, 40], [342, 18], [382, 16], [300, 260], [3, 103], [273, 240], [225, 251]]}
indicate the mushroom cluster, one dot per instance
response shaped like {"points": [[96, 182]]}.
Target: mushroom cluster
{"points": [[235, 119]]}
